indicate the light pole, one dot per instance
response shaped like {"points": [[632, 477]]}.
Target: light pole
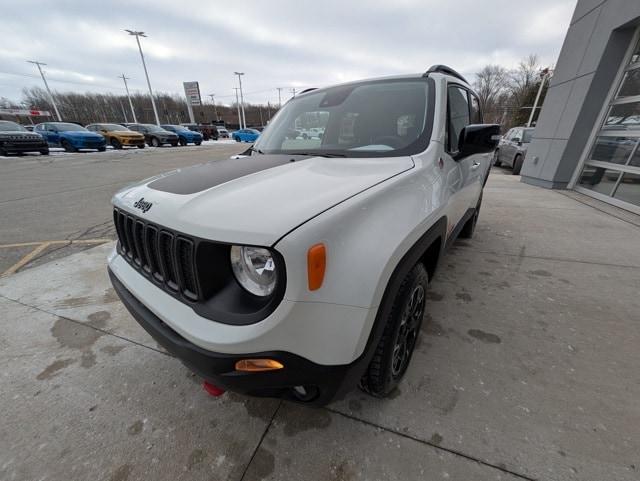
{"points": [[293, 91], [215, 109], [279, 97], [144, 65], [126, 87], [545, 74], [53, 102], [238, 105], [244, 119]]}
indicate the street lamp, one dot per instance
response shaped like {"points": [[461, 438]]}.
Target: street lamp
{"points": [[53, 102], [126, 87], [144, 65], [244, 118], [545, 74], [215, 109]]}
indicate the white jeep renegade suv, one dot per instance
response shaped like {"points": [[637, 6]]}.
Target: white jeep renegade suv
{"points": [[300, 269]]}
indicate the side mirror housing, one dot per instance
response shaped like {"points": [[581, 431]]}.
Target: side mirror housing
{"points": [[478, 139]]}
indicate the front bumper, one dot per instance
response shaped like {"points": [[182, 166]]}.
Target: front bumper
{"points": [[26, 146], [132, 141], [326, 382]]}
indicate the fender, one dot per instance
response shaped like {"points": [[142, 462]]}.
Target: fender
{"points": [[419, 252]]}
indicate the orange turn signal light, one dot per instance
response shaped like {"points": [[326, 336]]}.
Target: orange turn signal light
{"points": [[316, 264], [258, 365]]}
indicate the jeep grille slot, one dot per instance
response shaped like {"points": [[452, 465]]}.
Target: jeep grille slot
{"points": [[165, 257], [166, 245]]}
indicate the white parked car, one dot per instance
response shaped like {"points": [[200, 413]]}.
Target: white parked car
{"points": [[300, 270]]}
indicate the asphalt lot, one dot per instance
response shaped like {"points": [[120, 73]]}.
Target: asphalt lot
{"points": [[57, 205], [526, 368]]}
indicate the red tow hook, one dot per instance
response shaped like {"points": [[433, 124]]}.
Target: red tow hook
{"points": [[211, 389]]}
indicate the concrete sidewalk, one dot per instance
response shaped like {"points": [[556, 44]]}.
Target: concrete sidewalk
{"points": [[528, 367]]}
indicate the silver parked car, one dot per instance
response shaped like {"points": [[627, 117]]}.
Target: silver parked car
{"points": [[513, 147]]}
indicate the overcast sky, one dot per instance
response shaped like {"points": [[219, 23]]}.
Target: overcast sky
{"points": [[276, 43]]}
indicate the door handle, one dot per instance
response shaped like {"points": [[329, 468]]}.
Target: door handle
{"points": [[475, 165]]}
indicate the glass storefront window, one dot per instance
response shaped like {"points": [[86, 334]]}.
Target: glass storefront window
{"points": [[613, 149], [623, 117], [629, 189], [630, 84], [598, 179]]}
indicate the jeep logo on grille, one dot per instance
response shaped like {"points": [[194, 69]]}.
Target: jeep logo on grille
{"points": [[143, 205]]}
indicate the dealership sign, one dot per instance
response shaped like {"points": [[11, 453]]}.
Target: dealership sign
{"points": [[27, 113], [192, 91]]}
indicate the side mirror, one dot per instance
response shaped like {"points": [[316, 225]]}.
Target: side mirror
{"points": [[478, 139]]}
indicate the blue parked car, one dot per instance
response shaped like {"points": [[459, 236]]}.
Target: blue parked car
{"points": [[245, 135], [185, 135], [70, 136]]}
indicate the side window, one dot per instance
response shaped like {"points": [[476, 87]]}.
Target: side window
{"points": [[517, 135], [476, 114], [458, 115]]}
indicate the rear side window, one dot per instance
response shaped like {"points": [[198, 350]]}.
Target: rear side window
{"points": [[476, 114], [458, 115]]}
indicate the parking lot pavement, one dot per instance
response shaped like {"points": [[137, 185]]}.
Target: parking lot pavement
{"points": [[46, 202], [527, 368]]}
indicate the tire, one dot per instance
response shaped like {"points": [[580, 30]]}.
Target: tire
{"points": [[43, 152], [141, 146], [182, 141], [517, 165], [237, 139], [198, 143], [155, 142], [470, 226], [496, 159], [102, 149], [67, 146], [174, 144], [115, 143], [402, 328], [3, 153]]}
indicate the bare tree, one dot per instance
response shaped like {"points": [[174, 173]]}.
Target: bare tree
{"points": [[524, 79], [491, 82]]}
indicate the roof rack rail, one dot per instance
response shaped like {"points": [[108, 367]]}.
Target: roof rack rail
{"points": [[308, 90], [445, 70]]}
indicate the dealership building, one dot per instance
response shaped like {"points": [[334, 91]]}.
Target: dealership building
{"points": [[588, 134]]}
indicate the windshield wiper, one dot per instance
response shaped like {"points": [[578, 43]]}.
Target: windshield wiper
{"points": [[317, 154], [253, 149]]}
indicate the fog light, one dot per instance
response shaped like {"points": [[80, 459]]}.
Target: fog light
{"points": [[258, 365]]}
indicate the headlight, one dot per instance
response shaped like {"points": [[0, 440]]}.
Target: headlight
{"points": [[254, 268]]}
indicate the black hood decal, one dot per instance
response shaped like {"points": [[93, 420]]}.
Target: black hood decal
{"points": [[201, 177]]}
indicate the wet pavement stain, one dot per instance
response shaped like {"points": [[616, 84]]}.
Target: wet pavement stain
{"points": [[343, 472], [484, 336], [121, 474], [434, 296], [110, 296], [74, 336], [54, 369], [464, 296], [112, 350], [301, 419], [355, 405], [262, 465], [98, 317], [436, 438], [433, 328], [446, 401], [541, 273], [196, 457], [261, 408], [135, 428], [88, 359]]}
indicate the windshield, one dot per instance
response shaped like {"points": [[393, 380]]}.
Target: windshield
{"points": [[526, 137], [369, 119], [113, 128], [153, 128], [11, 127], [64, 127]]}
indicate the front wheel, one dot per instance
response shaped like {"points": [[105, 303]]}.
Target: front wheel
{"points": [[183, 142], [44, 152], [102, 149], [199, 143], [496, 158], [66, 145], [401, 332], [115, 143], [155, 142], [237, 139], [141, 146], [517, 165]]}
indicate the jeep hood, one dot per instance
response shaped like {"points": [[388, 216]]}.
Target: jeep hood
{"points": [[256, 199]]}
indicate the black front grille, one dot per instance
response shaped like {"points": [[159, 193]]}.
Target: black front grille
{"points": [[164, 256]]}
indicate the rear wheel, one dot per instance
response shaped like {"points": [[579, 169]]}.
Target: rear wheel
{"points": [[198, 143], [44, 152], [141, 146], [102, 149], [115, 143], [496, 158], [401, 331], [517, 165], [66, 145]]}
